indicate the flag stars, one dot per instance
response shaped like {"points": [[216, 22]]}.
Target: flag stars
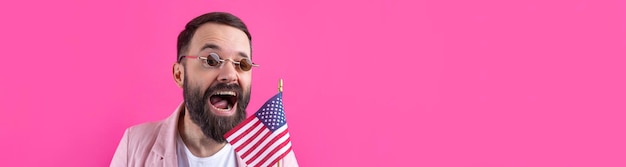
{"points": [[272, 114]]}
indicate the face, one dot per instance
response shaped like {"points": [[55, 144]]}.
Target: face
{"points": [[216, 97]]}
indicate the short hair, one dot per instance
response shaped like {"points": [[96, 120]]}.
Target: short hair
{"points": [[184, 38]]}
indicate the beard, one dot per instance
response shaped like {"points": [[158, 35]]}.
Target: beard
{"points": [[214, 126]]}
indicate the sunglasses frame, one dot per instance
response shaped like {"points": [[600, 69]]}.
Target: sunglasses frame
{"points": [[205, 61]]}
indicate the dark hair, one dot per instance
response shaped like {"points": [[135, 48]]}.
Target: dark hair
{"points": [[214, 17]]}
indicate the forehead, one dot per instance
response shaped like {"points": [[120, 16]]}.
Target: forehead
{"points": [[227, 38]]}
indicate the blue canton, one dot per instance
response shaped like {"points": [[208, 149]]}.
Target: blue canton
{"points": [[272, 113]]}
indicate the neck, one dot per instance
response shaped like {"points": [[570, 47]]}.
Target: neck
{"points": [[199, 144]]}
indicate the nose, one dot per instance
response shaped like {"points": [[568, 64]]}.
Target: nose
{"points": [[228, 73]]}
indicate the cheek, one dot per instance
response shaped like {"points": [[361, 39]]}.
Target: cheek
{"points": [[199, 82], [201, 77], [245, 80]]}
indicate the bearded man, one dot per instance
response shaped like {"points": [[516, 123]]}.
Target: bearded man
{"points": [[214, 69]]}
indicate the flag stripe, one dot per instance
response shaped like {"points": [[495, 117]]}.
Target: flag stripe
{"points": [[266, 143], [246, 142], [247, 137], [272, 154], [245, 123], [276, 158], [245, 131], [256, 144], [273, 144]]}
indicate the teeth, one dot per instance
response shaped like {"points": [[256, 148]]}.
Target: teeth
{"points": [[231, 93]]}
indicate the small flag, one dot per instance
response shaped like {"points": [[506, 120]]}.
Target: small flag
{"points": [[262, 139]]}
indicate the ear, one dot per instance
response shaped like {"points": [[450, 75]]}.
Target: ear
{"points": [[178, 72]]}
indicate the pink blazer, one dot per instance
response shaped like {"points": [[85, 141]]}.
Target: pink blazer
{"points": [[154, 144]]}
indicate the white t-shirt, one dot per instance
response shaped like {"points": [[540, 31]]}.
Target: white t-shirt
{"points": [[224, 157]]}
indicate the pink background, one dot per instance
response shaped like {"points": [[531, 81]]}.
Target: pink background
{"points": [[367, 83]]}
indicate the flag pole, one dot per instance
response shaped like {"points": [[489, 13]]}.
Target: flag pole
{"points": [[280, 85], [280, 90]]}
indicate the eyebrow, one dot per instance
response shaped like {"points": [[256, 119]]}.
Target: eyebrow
{"points": [[215, 47]]}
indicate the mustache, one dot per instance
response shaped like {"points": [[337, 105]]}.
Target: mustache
{"points": [[223, 87]]}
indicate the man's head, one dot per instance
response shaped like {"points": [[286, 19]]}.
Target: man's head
{"points": [[216, 91]]}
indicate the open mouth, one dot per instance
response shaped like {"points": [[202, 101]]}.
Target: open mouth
{"points": [[223, 100]]}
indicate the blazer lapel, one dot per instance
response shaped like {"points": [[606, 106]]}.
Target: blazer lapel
{"points": [[164, 150]]}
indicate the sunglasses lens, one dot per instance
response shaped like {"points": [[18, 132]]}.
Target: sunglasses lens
{"points": [[245, 64], [213, 60]]}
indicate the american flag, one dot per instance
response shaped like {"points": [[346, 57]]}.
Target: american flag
{"points": [[262, 139]]}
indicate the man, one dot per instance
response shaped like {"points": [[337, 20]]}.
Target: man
{"points": [[214, 69]]}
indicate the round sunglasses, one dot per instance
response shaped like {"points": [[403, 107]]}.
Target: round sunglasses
{"points": [[212, 60]]}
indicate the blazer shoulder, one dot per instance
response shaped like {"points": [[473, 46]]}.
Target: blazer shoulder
{"points": [[145, 129], [143, 134]]}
